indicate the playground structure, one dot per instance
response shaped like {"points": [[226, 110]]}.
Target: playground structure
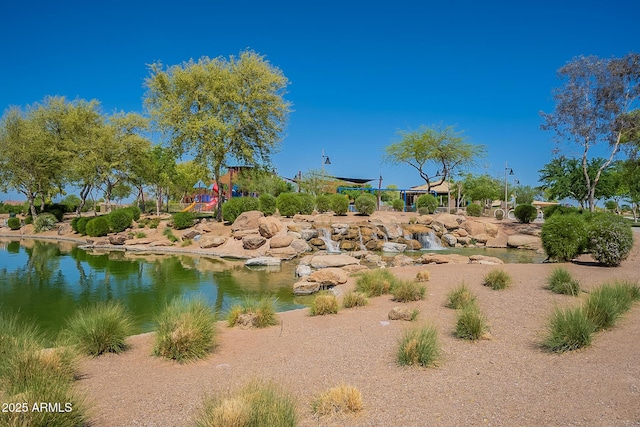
{"points": [[205, 198]]}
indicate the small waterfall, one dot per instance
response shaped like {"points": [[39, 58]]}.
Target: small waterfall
{"points": [[332, 246], [362, 246], [429, 241]]}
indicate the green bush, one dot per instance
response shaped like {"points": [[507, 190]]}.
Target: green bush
{"points": [[44, 222], [253, 313], [97, 227], [561, 282], [28, 220], [376, 282], [563, 236], [307, 203], [186, 330], [497, 279], [607, 303], [398, 205], [232, 208], [81, 225], [408, 290], [267, 203], [257, 404], [288, 204], [366, 204], [74, 223], [471, 324], [549, 211], [324, 303], [339, 204], [609, 239], [568, 329], [428, 201], [323, 203], [182, 220], [14, 223], [354, 299], [134, 210], [460, 297], [525, 213], [474, 209], [119, 220], [419, 346], [102, 328]]}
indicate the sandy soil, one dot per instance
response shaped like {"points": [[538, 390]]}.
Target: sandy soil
{"points": [[507, 380]]}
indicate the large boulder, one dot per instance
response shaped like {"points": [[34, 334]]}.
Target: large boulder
{"points": [[117, 240], [300, 246], [450, 239], [305, 287], [280, 241], [329, 277], [443, 259], [483, 259], [269, 226], [402, 261], [252, 242], [393, 247], [393, 231], [524, 241], [263, 261], [207, 241], [247, 221], [338, 260]]}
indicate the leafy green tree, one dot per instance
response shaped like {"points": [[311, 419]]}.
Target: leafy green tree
{"points": [[526, 194], [594, 107], [630, 172], [261, 181], [481, 187], [444, 147], [186, 175], [219, 108]]}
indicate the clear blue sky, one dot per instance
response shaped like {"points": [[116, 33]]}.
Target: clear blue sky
{"points": [[359, 71]]}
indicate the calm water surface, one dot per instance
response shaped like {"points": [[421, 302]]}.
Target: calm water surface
{"points": [[46, 282]]}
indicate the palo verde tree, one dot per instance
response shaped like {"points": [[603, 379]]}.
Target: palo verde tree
{"points": [[217, 109], [444, 147], [594, 107]]}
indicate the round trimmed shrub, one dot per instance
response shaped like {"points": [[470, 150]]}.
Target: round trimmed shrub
{"points": [[182, 220], [323, 203], [398, 205], [525, 213], [474, 209], [120, 220], [339, 204], [14, 223], [307, 203], [563, 236], [609, 238], [134, 210], [81, 225], [366, 203], [267, 204], [44, 222], [97, 227], [428, 201], [232, 208], [288, 204]]}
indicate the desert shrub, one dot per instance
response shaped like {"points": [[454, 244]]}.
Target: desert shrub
{"points": [[568, 329], [149, 222], [365, 204], [74, 223], [471, 324], [474, 209], [288, 204], [267, 203], [561, 282], [339, 204], [168, 233], [343, 399], [497, 279], [324, 303], [257, 404], [134, 211], [44, 222], [609, 239], [460, 297], [97, 227], [499, 214], [232, 208], [119, 220], [608, 303], [423, 276], [14, 223], [428, 201], [28, 220], [102, 328], [323, 203], [376, 282], [398, 205], [182, 220], [307, 203], [563, 236], [423, 211], [408, 290], [186, 330], [549, 211], [81, 225], [525, 213], [419, 346], [354, 299], [255, 313]]}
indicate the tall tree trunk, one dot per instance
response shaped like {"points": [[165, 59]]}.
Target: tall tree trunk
{"points": [[84, 193]]}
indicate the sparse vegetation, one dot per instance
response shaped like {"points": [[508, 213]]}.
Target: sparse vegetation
{"points": [[253, 313], [343, 399], [607, 303], [419, 346], [168, 233], [569, 329], [497, 279], [354, 299], [561, 282], [471, 324], [460, 297], [375, 283], [408, 290], [324, 303]]}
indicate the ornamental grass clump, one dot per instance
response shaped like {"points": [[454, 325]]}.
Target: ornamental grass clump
{"points": [[377, 282], [419, 346], [253, 313], [257, 404], [186, 330], [460, 297], [471, 324], [408, 290], [354, 299], [102, 328], [606, 304], [44, 222], [497, 279], [324, 303], [561, 282], [568, 329], [342, 399]]}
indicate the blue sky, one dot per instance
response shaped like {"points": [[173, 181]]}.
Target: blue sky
{"points": [[359, 71]]}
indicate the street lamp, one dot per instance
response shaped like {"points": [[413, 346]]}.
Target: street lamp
{"points": [[325, 161], [507, 171]]}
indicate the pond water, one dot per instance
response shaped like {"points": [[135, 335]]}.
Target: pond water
{"points": [[46, 282]]}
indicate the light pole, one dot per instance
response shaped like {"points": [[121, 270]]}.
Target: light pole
{"points": [[508, 171], [325, 161]]}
